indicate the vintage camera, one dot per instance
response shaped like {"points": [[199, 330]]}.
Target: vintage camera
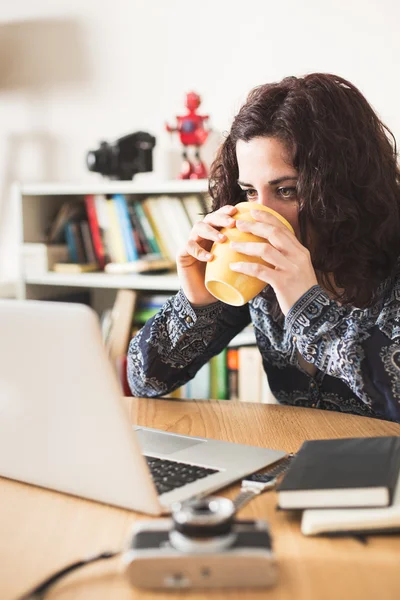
{"points": [[129, 155], [202, 546]]}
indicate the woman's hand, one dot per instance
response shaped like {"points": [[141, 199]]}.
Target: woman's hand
{"points": [[289, 270], [192, 259]]}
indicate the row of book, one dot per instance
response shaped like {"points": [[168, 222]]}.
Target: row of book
{"points": [[235, 374], [118, 233]]}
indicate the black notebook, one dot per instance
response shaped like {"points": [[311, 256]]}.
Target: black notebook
{"points": [[342, 473]]}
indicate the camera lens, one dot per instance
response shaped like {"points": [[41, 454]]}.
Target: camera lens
{"points": [[102, 160], [202, 517], [97, 160], [91, 160], [202, 508], [203, 525]]}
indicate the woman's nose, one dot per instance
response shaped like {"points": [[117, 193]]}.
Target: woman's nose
{"points": [[264, 199]]}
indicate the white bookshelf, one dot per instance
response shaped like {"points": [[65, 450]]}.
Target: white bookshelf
{"points": [[37, 205], [168, 281], [174, 186]]}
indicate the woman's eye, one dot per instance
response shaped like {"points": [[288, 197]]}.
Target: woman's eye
{"points": [[250, 194], [287, 192]]}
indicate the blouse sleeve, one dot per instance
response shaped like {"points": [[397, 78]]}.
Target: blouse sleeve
{"points": [[361, 347], [175, 343]]}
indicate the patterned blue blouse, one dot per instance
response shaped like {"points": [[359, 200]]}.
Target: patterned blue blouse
{"points": [[356, 351]]}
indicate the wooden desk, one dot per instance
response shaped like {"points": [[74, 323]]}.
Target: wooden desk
{"points": [[41, 531]]}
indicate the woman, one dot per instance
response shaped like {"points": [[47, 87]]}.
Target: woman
{"points": [[327, 324]]}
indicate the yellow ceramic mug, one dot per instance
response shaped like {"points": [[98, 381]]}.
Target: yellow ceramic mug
{"points": [[223, 283]]}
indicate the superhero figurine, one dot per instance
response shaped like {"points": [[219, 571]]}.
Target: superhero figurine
{"points": [[191, 133]]}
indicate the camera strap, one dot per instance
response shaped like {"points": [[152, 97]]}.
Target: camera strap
{"points": [[39, 592]]}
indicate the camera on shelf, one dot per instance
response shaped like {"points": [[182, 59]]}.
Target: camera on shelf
{"points": [[202, 546], [127, 156]]}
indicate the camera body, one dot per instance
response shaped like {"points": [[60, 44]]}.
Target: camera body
{"points": [[164, 555], [127, 156]]}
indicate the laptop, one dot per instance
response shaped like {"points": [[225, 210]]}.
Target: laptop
{"points": [[64, 424]]}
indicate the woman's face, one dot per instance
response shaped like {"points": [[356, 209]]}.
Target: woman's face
{"points": [[267, 176]]}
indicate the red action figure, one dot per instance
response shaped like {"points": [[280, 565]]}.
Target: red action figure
{"points": [[192, 133]]}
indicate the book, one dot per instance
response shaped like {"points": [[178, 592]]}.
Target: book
{"points": [[219, 376], [141, 241], [146, 228], [74, 239], [75, 267], [342, 473], [125, 226], [94, 226], [194, 207], [103, 222], [69, 211], [232, 363], [345, 520], [114, 235], [250, 367], [167, 224], [71, 243], [177, 222], [149, 206], [87, 242], [147, 264]]}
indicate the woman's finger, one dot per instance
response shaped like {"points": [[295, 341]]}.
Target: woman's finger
{"points": [[198, 252], [267, 252], [264, 216], [218, 219], [262, 272], [204, 231], [277, 235]]}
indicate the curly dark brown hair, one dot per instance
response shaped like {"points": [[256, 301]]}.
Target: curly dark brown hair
{"points": [[348, 177]]}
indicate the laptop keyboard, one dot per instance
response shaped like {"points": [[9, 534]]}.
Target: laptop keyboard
{"points": [[168, 475]]}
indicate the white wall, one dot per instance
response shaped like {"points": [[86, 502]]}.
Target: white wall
{"points": [[125, 65]]}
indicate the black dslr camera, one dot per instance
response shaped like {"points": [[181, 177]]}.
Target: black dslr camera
{"points": [[129, 155], [202, 546]]}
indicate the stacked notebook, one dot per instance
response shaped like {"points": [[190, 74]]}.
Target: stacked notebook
{"points": [[345, 485]]}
